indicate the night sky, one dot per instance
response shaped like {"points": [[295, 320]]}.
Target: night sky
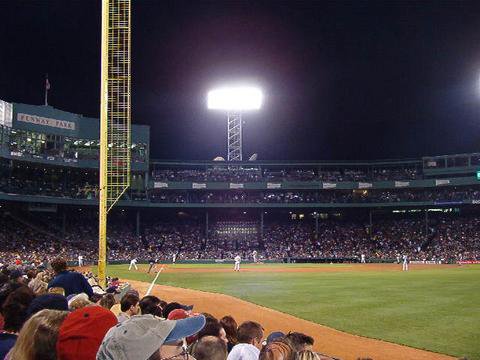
{"points": [[342, 80]]}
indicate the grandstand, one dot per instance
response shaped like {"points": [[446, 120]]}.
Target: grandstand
{"points": [[286, 210]]}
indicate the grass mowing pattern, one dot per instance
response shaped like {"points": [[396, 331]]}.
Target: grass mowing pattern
{"points": [[437, 309]]}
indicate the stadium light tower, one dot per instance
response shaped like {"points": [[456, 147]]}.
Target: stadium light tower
{"points": [[235, 100]]}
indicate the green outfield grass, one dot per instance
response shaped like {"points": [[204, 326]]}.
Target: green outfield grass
{"points": [[437, 309]]}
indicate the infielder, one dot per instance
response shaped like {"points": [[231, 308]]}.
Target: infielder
{"points": [[153, 265], [254, 255], [362, 258], [174, 258], [405, 263], [237, 260], [133, 263]]}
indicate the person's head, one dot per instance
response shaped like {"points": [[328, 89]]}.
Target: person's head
{"points": [[142, 336], [82, 332], [210, 348], [31, 274], [213, 328], [15, 308], [107, 301], [150, 305], [250, 332], [308, 355], [299, 341], [58, 265], [230, 326], [277, 350], [48, 301], [129, 304], [38, 337], [16, 276], [174, 305]]}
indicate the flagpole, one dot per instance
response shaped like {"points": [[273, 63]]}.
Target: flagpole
{"points": [[47, 86]]}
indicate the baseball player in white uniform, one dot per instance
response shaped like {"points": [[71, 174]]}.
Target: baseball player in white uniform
{"points": [[133, 263], [254, 255], [237, 260], [80, 260], [174, 258], [405, 263], [362, 258]]}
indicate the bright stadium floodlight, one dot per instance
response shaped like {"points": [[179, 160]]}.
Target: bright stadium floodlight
{"points": [[240, 98], [235, 100]]}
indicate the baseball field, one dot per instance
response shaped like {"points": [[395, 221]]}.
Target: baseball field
{"points": [[347, 308]]}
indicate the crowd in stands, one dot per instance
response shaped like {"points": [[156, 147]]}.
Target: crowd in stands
{"points": [[253, 174], [450, 238], [323, 196], [48, 312]]}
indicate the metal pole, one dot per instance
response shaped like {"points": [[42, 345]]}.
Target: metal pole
{"points": [[102, 211]]}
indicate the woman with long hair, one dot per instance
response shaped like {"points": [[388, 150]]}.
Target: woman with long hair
{"points": [[38, 338], [230, 326]]}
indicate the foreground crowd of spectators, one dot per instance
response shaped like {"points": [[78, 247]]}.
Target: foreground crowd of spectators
{"points": [[55, 314]]}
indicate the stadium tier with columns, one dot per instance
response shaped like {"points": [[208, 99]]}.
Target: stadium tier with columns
{"points": [[310, 211]]}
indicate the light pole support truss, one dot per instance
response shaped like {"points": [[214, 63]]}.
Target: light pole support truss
{"points": [[234, 137]]}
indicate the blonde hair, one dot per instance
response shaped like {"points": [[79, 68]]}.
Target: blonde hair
{"points": [[79, 304], [308, 355], [38, 337]]}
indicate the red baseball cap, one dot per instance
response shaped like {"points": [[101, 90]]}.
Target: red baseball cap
{"points": [[82, 332], [178, 314]]}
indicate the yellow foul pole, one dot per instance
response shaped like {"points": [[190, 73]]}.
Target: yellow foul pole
{"points": [[103, 210]]}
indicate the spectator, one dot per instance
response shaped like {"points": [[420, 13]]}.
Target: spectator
{"points": [[213, 328], [48, 301], [38, 285], [15, 313], [38, 337], [175, 351], [151, 305], [277, 350], [230, 326], [250, 335], [175, 305], [310, 355], [299, 342], [17, 276], [141, 336], [71, 281], [129, 306], [210, 348], [79, 301], [276, 335], [82, 333], [107, 301]]}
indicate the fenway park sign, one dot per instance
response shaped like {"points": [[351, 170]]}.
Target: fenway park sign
{"points": [[39, 120]]}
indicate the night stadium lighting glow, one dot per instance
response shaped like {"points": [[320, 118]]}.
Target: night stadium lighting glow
{"points": [[240, 98]]}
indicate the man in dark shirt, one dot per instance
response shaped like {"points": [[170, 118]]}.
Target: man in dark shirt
{"points": [[71, 281], [153, 264]]}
